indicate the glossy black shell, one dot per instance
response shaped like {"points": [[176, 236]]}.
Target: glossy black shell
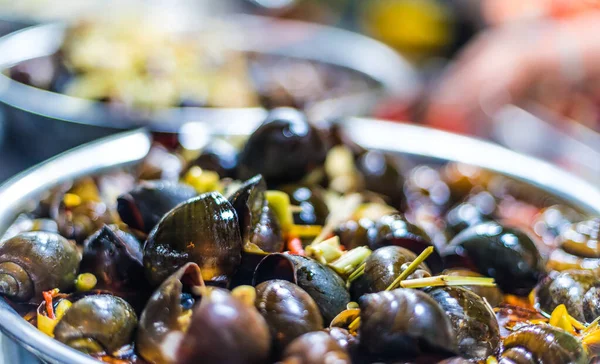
{"points": [[147, 203], [203, 230], [505, 254], [314, 210], [115, 258], [284, 149]]}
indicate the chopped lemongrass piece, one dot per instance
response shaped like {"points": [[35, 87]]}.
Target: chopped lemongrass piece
{"points": [[411, 268], [305, 231], [85, 282], [350, 260], [246, 294], [342, 212], [357, 273], [445, 280], [279, 202], [351, 305], [325, 251], [202, 180]]}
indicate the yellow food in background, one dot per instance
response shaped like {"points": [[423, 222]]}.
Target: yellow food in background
{"points": [[415, 27]]}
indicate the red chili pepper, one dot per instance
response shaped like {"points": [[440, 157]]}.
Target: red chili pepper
{"points": [[295, 246], [49, 308]]}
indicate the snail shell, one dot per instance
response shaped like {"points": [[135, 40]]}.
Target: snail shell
{"points": [[203, 230], [96, 324], [33, 262], [288, 310]]}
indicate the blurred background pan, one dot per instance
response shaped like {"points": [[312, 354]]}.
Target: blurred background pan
{"points": [[40, 123]]}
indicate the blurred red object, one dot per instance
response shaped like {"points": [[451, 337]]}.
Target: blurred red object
{"points": [[503, 11], [393, 109]]}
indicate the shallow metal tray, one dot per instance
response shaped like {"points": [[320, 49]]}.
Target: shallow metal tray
{"points": [[21, 339]]}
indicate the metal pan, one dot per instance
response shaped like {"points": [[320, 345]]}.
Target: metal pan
{"points": [[22, 340], [43, 123]]}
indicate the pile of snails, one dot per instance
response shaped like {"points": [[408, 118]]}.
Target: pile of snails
{"points": [[299, 246]]}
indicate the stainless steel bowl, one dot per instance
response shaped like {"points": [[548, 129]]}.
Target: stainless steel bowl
{"points": [[22, 342], [43, 123]]}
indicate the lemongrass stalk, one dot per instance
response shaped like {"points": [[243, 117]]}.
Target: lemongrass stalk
{"points": [[351, 260], [357, 273], [444, 280], [411, 268]]}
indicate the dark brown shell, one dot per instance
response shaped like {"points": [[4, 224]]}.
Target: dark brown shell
{"points": [[203, 230], [144, 206], [545, 344], [343, 337], [33, 262], [315, 348], [404, 322], [159, 320], [474, 322], [324, 285], [225, 330], [382, 267], [94, 321], [288, 310], [258, 223], [115, 258], [576, 289]]}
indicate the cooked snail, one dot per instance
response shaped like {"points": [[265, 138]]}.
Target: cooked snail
{"points": [[203, 230], [33, 262]]}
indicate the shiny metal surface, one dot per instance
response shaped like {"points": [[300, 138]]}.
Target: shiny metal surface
{"points": [[36, 117], [130, 147]]}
